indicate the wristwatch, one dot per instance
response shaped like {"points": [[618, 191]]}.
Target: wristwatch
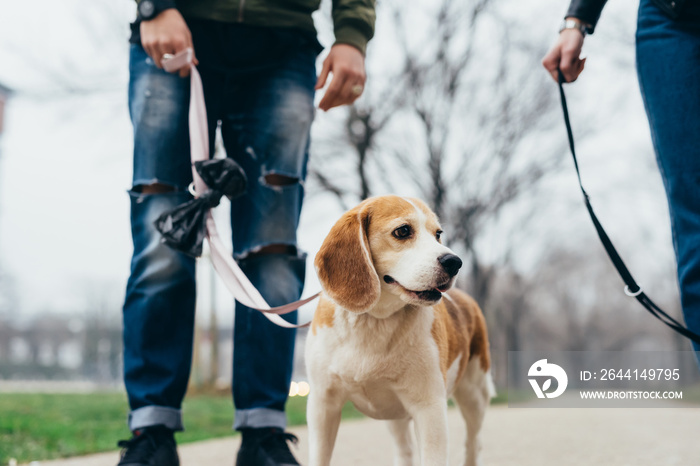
{"points": [[149, 9], [570, 24]]}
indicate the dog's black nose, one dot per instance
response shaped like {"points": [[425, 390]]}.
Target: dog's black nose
{"points": [[450, 263]]}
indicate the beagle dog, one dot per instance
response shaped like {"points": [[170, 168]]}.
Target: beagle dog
{"points": [[390, 335]]}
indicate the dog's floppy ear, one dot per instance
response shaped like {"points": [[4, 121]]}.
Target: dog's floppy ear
{"points": [[344, 263]]}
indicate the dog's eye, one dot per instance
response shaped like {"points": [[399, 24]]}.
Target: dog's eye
{"points": [[402, 232], [438, 234]]}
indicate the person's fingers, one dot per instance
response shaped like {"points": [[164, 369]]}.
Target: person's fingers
{"points": [[343, 97], [180, 43], [158, 49], [332, 92], [565, 56], [191, 45], [158, 52], [354, 95], [325, 70], [148, 45], [570, 64], [355, 88], [332, 96], [551, 62], [152, 51], [167, 33], [571, 44], [347, 94], [346, 64], [166, 46]]}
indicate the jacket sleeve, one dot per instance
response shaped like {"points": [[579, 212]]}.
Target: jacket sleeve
{"points": [[587, 11], [353, 22], [163, 4]]}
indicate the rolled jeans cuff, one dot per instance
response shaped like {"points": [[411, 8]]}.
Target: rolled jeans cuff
{"points": [[259, 417], [156, 415]]}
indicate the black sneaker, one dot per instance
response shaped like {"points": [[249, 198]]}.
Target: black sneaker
{"points": [[266, 447], [150, 446]]}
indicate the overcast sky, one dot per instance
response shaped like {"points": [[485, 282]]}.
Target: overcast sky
{"points": [[65, 157]]}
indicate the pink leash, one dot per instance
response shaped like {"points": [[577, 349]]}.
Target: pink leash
{"points": [[229, 271]]}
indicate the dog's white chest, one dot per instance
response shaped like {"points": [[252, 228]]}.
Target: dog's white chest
{"points": [[371, 382], [377, 399], [378, 374]]}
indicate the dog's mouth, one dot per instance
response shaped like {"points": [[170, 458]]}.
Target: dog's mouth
{"points": [[433, 294]]}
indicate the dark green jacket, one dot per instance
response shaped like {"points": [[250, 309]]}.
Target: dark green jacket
{"points": [[353, 20], [589, 11]]}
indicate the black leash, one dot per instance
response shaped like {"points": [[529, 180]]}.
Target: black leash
{"points": [[631, 287]]}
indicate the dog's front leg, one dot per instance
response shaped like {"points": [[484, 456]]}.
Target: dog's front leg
{"points": [[431, 431], [323, 412]]}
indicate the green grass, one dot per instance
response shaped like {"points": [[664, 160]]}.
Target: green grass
{"points": [[44, 426], [500, 398], [40, 426]]}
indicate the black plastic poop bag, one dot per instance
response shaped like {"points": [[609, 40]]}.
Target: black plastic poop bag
{"points": [[184, 227]]}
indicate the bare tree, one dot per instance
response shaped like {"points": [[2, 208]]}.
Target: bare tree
{"points": [[511, 313], [79, 71], [582, 306], [455, 124]]}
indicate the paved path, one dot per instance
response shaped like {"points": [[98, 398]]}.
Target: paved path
{"points": [[517, 437]]}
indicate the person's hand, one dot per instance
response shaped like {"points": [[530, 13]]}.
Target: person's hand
{"points": [[348, 67], [565, 55], [166, 33]]}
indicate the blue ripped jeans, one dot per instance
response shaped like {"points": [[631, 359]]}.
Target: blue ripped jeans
{"points": [[259, 87], [668, 66]]}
